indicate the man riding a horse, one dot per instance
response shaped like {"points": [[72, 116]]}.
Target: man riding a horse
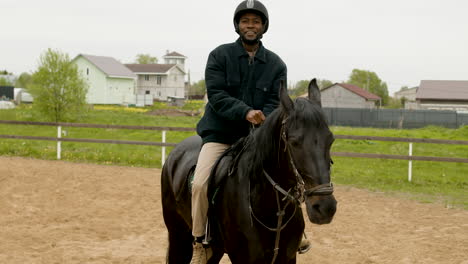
{"points": [[266, 175], [242, 81]]}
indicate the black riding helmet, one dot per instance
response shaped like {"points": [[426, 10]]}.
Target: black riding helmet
{"points": [[251, 6]]}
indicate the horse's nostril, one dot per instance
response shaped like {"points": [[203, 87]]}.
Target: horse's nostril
{"points": [[316, 207]]}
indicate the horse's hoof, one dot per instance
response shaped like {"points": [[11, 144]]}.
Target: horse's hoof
{"points": [[304, 246]]}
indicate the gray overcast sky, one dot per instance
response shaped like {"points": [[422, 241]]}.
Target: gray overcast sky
{"points": [[403, 41]]}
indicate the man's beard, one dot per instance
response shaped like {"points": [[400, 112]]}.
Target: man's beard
{"points": [[251, 41]]}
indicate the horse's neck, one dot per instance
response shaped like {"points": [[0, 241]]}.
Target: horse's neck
{"points": [[274, 161]]}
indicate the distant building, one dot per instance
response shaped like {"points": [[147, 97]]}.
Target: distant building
{"points": [[159, 80], [175, 58], [110, 82], [443, 95], [409, 96], [343, 95]]}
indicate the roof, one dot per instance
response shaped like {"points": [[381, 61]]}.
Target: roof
{"points": [[109, 65], [357, 90], [149, 68], [174, 54], [409, 89], [443, 90]]}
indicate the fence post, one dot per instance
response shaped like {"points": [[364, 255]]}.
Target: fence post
{"points": [[410, 163], [163, 155], [59, 143]]}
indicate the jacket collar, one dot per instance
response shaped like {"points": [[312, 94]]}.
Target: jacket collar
{"points": [[259, 55]]}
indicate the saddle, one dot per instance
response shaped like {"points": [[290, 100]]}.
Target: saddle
{"points": [[230, 157]]}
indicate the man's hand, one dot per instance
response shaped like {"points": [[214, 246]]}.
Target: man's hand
{"points": [[255, 117]]}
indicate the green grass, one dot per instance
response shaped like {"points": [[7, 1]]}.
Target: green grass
{"points": [[444, 182]]}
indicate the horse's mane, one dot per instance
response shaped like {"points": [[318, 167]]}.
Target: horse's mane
{"points": [[263, 143]]}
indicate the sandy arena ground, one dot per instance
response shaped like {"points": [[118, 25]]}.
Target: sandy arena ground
{"points": [[61, 212]]}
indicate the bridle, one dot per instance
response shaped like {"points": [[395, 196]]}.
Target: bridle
{"points": [[301, 192], [295, 195]]}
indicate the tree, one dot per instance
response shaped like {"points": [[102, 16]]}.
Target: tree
{"points": [[197, 88], [24, 80], [58, 89], [301, 87], [394, 103], [145, 59], [324, 83], [5, 82], [371, 82], [404, 88]]}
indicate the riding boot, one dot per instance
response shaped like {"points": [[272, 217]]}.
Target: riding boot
{"points": [[199, 254]]}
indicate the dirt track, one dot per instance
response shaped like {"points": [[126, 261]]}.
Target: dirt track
{"points": [[60, 212]]}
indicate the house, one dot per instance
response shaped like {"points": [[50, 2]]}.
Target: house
{"points": [[110, 82], [443, 95], [408, 97], [409, 94], [159, 80], [175, 58], [343, 95]]}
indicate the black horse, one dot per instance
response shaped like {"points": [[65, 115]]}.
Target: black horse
{"points": [[257, 188]]}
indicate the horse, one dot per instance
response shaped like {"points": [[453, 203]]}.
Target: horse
{"points": [[257, 187]]}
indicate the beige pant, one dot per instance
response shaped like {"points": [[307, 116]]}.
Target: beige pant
{"points": [[209, 153]]}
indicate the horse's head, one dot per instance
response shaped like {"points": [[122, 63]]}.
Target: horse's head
{"points": [[307, 140]]}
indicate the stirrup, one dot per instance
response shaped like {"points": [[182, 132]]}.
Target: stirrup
{"points": [[304, 246]]}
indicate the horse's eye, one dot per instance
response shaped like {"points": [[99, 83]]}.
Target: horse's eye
{"points": [[294, 142]]}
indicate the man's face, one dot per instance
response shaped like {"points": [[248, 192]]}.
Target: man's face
{"points": [[250, 27]]}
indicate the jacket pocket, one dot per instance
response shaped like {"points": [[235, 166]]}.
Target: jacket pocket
{"points": [[260, 94]]}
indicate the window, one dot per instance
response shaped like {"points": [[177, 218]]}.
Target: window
{"points": [[87, 71], [146, 77], [147, 92], [158, 79]]}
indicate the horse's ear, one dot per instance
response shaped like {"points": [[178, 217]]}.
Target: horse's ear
{"points": [[286, 102], [314, 92]]}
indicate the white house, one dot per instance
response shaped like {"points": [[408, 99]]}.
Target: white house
{"points": [[161, 81], [343, 95], [175, 58], [110, 82]]}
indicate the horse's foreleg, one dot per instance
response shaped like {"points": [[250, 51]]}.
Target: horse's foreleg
{"points": [[180, 245]]}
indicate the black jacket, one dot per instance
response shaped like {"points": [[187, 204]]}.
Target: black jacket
{"points": [[235, 84]]}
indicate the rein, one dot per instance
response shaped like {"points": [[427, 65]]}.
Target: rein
{"points": [[295, 195]]}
